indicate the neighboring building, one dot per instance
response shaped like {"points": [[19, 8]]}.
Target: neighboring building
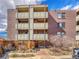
{"points": [[62, 23], [28, 23]]}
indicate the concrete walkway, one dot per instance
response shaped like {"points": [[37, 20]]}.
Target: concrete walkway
{"points": [[5, 56]]}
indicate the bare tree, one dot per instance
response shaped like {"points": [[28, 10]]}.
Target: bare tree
{"points": [[61, 42]]}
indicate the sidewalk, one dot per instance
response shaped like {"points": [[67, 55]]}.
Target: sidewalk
{"points": [[5, 56], [44, 54]]}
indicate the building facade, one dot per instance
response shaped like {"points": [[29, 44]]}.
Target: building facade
{"points": [[62, 25], [34, 25], [28, 23]]}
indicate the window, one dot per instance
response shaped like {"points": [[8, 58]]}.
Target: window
{"points": [[60, 33], [61, 25], [61, 15], [77, 22], [77, 33]]}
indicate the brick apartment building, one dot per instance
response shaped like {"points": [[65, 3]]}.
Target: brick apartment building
{"points": [[33, 24], [28, 23]]}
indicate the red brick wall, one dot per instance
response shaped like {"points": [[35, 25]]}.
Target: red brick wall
{"points": [[11, 24], [70, 23]]}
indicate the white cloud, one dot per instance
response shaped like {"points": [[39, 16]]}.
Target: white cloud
{"points": [[10, 4], [75, 7], [3, 27], [28, 2], [2, 30], [66, 7], [4, 5], [71, 7]]}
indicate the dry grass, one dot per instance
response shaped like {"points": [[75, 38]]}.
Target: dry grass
{"points": [[59, 51]]}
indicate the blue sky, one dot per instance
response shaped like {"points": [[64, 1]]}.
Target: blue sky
{"points": [[59, 4], [52, 5]]}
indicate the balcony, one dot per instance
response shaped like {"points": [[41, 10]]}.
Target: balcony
{"points": [[40, 25], [40, 14], [77, 28], [77, 37], [40, 36], [22, 15], [77, 18], [22, 26], [23, 37]]}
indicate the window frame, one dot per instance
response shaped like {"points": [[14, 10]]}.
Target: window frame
{"points": [[61, 25], [61, 15], [61, 34]]}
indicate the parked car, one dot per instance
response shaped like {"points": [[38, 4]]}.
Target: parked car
{"points": [[75, 53]]}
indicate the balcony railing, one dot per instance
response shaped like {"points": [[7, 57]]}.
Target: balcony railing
{"points": [[35, 37], [77, 18], [22, 26], [23, 37], [40, 14], [77, 28], [22, 15], [77, 37], [40, 25], [40, 36], [35, 14]]}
